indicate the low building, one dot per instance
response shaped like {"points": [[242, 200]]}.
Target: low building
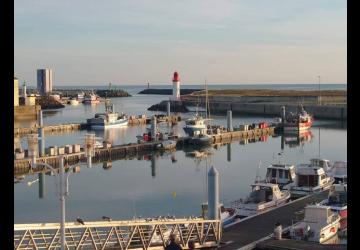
{"points": [[30, 100]]}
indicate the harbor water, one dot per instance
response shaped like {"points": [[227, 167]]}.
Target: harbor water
{"points": [[160, 184]]}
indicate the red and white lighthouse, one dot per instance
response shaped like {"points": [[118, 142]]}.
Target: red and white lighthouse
{"points": [[176, 86]]}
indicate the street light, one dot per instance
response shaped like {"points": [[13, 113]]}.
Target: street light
{"points": [[33, 151], [319, 99]]}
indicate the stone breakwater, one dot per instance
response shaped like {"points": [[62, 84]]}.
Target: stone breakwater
{"points": [[167, 91], [175, 106], [333, 103]]}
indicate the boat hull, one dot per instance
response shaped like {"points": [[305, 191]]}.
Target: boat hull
{"points": [[303, 126], [91, 102], [111, 125], [190, 130], [206, 141], [245, 210]]}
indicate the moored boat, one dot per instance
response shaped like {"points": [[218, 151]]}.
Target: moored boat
{"points": [[299, 121], [309, 179], [337, 200], [109, 119], [227, 215], [73, 101], [201, 139], [91, 99], [195, 123], [323, 163], [262, 197], [319, 224], [339, 172]]}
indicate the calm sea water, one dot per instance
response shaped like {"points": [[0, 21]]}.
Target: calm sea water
{"points": [[159, 186]]}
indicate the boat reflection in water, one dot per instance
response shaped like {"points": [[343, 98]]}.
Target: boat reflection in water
{"points": [[297, 139]]}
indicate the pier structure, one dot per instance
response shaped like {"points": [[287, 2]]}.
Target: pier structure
{"points": [[131, 150], [132, 234], [58, 128], [248, 232]]}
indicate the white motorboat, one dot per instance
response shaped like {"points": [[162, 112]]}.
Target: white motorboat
{"points": [[309, 179], [281, 174], [227, 215], [319, 225], [109, 119], [339, 172], [262, 197], [337, 201], [195, 123]]}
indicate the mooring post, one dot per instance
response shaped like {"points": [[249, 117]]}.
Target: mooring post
{"points": [[153, 128], [41, 134], [168, 108], [229, 152], [213, 194], [283, 114], [229, 121], [62, 200]]}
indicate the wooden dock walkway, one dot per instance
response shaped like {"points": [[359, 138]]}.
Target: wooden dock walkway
{"points": [[250, 230], [132, 150]]}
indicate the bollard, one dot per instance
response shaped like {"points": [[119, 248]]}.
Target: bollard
{"points": [[213, 195], [283, 114], [278, 231], [42, 190]]}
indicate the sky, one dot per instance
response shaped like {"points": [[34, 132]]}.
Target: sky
{"points": [[138, 41]]}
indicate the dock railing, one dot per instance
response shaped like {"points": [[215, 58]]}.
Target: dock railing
{"points": [[134, 234]]}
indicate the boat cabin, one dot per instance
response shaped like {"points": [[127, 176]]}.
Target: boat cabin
{"points": [[263, 192], [338, 195], [324, 163], [318, 215], [339, 172], [281, 174], [311, 176]]}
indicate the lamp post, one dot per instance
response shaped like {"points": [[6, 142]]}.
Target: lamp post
{"points": [[319, 99], [33, 151]]}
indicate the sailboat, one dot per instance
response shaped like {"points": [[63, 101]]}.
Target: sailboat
{"points": [[196, 123]]}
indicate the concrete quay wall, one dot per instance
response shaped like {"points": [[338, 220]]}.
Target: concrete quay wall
{"points": [[257, 99], [322, 112]]}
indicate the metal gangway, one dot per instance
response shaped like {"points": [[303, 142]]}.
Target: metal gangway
{"points": [[132, 234]]}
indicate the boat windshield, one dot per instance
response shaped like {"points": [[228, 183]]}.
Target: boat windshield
{"points": [[259, 195], [338, 199]]}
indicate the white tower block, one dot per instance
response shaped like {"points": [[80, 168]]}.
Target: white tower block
{"points": [[176, 86]]}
